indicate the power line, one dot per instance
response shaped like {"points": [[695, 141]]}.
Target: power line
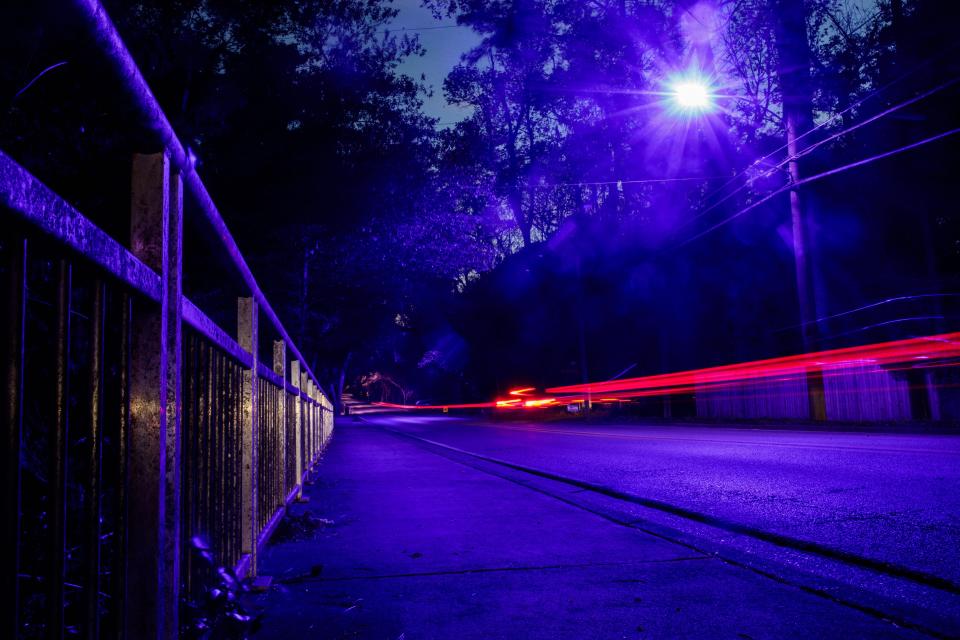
{"points": [[906, 103], [814, 146], [832, 118], [799, 154], [866, 307], [622, 182], [820, 176], [436, 28]]}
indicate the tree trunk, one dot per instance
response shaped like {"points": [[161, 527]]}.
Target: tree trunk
{"points": [[582, 338], [516, 204]]}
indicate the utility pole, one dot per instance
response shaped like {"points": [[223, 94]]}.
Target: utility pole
{"points": [[793, 71], [582, 339]]}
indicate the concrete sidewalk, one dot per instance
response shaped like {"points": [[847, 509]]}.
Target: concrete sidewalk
{"points": [[420, 546]]}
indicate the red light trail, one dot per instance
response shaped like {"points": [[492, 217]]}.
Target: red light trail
{"points": [[885, 353], [914, 353]]}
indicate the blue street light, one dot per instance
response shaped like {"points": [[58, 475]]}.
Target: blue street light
{"points": [[691, 95]]}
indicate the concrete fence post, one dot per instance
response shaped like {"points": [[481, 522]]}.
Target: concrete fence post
{"points": [[317, 425], [248, 339], [297, 426], [152, 588], [280, 368], [313, 421], [307, 421]]}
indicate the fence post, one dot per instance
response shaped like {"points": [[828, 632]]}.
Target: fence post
{"points": [[307, 423], [248, 339], [325, 430], [323, 419], [313, 426], [280, 368], [315, 432], [297, 426], [305, 434], [328, 416], [331, 416], [151, 602]]}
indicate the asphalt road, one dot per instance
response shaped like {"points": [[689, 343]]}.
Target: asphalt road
{"points": [[419, 526], [890, 502]]}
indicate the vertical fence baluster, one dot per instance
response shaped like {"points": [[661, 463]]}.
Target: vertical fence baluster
{"points": [[237, 470], [58, 461], [210, 450], [188, 466], [206, 442], [231, 551], [94, 449], [231, 471], [263, 440], [221, 454], [258, 477], [118, 568], [280, 368], [16, 296]]}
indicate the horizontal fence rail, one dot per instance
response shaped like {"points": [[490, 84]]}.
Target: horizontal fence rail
{"points": [[148, 453]]}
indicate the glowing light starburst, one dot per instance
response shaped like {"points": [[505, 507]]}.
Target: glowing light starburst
{"points": [[691, 95]]}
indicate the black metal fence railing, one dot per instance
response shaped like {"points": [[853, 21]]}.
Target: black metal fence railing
{"points": [[211, 466], [144, 446]]}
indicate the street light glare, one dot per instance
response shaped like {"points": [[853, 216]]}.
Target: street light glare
{"points": [[691, 95]]}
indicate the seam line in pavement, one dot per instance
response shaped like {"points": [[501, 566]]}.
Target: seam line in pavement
{"points": [[795, 445], [894, 570]]}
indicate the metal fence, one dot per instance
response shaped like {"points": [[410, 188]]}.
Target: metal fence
{"points": [[156, 447]]}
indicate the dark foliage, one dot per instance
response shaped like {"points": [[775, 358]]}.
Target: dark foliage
{"points": [[556, 231]]}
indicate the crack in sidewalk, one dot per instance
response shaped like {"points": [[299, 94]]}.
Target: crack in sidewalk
{"points": [[466, 572]]}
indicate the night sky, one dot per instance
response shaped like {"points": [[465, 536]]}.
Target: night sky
{"points": [[444, 42]]}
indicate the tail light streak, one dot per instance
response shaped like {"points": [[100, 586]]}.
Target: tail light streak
{"points": [[913, 353]]}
